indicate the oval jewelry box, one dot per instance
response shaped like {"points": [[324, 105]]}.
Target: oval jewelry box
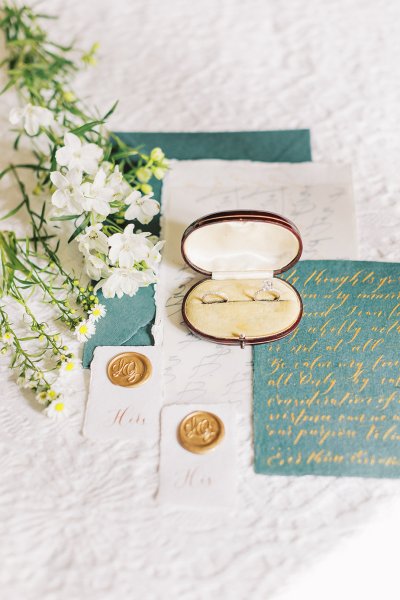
{"points": [[242, 301]]}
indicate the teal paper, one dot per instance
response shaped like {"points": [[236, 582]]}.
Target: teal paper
{"points": [[113, 329], [327, 398], [129, 323]]}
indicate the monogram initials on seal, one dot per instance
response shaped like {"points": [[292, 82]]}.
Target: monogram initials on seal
{"points": [[129, 369], [125, 368]]}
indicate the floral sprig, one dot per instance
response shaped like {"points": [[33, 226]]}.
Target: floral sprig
{"points": [[97, 197], [88, 183]]}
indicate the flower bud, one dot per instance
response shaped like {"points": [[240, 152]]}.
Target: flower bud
{"points": [[146, 188], [143, 174], [158, 172], [157, 154], [69, 96]]}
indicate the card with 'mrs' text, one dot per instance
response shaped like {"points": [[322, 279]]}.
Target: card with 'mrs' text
{"points": [[125, 394]]}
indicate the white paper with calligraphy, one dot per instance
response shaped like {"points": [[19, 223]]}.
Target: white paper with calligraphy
{"points": [[317, 197], [197, 480], [124, 413]]}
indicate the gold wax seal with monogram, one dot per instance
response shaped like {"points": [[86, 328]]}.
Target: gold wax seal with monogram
{"points": [[200, 431], [129, 369]]}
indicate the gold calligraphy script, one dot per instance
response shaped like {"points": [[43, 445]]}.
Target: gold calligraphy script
{"points": [[328, 401], [129, 369], [200, 432]]}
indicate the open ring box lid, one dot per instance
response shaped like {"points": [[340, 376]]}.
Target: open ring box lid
{"points": [[241, 253]]}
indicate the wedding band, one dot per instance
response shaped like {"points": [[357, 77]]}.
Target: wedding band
{"points": [[218, 297], [266, 295]]}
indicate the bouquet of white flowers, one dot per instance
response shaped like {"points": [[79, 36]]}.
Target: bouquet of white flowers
{"points": [[86, 179]]}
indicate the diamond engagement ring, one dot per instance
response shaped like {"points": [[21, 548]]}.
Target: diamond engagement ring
{"points": [[267, 293]]}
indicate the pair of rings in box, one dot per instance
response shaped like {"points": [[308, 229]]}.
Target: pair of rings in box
{"points": [[265, 294], [242, 300], [199, 432]]}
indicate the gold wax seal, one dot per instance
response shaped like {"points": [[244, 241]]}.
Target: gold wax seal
{"points": [[200, 432], [129, 369]]}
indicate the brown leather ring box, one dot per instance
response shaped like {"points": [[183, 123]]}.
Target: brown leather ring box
{"points": [[242, 301]]}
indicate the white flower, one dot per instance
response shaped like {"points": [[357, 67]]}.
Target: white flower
{"points": [[69, 365], [7, 338], [95, 266], [57, 410], [85, 330], [93, 239], [97, 196], [142, 208], [127, 248], [76, 155], [147, 276], [32, 117], [42, 397], [116, 181], [154, 257], [97, 312], [120, 282], [68, 195], [46, 396]]}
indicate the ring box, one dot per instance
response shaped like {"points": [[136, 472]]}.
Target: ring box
{"points": [[242, 301]]}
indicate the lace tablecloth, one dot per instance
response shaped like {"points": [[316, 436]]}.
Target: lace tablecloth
{"points": [[78, 519]]}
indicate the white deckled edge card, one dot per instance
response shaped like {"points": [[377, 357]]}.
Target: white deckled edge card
{"points": [[197, 480], [118, 412]]}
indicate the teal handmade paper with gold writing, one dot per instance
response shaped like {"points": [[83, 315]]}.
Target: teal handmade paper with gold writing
{"points": [[327, 398]]}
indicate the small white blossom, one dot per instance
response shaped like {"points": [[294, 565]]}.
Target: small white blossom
{"points": [[7, 338], [95, 266], [32, 118], [154, 257], [97, 196], [116, 181], [68, 196], [127, 248], [85, 330], [69, 365], [97, 312], [77, 155], [93, 239], [25, 381], [142, 208], [147, 277], [120, 282], [42, 398], [57, 410]]}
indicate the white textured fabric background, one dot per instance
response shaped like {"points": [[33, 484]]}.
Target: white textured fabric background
{"points": [[78, 519]]}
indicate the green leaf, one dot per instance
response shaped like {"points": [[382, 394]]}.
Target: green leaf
{"points": [[110, 112], [7, 87], [87, 127], [125, 154], [79, 229], [42, 215], [25, 282], [13, 211], [65, 218]]}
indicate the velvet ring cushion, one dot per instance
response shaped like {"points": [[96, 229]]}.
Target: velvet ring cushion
{"points": [[242, 301], [241, 314]]}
